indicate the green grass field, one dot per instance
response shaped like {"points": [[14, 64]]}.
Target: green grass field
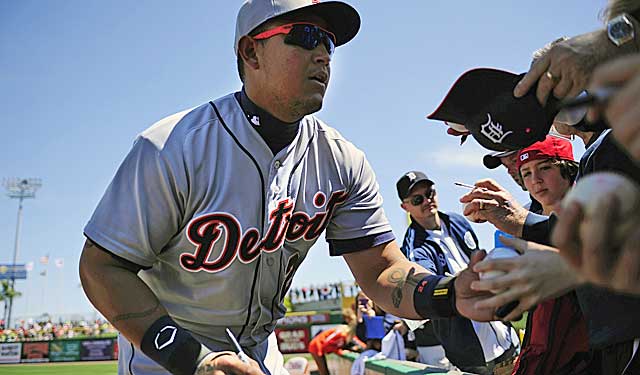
{"points": [[104, 368]]}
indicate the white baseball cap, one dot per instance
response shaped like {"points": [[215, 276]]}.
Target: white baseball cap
{"points": [[343, 19]]}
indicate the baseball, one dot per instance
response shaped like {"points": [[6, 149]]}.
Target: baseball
{"points": [[590, 187], [497, 253]]}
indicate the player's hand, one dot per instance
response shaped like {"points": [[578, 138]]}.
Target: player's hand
{"points": [[622, 111], [227, 363], [585, 244], [491, 202], [537, 275], [466, 298], [566, 68]]}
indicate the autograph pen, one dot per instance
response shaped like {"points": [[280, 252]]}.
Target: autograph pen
{"points": [[243, 356], [462, 184]]}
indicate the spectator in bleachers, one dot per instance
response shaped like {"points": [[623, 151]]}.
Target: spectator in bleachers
{"points": [[443, 243], [47, 330]]}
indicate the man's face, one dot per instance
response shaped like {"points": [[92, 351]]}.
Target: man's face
{"points": [[427, 208], [290, 79], [509, 162]]}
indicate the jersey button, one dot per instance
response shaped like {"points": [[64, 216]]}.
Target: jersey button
{"points": [[277, 164], [269, 261]]}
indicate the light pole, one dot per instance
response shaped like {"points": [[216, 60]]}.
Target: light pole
{"points": [[21, 189]]}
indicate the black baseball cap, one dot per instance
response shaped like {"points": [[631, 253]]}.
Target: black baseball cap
{"points": [[408, 181], [482, 100], [492, 160]]}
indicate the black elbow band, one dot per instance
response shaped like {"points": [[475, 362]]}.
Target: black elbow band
{"points": [[172, 347], [435, 297]]}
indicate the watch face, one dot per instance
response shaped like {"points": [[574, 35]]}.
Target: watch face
{"points": [[620, 30]]}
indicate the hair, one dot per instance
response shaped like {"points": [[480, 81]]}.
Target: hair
{"points": [[568, 169], [616, 7]]}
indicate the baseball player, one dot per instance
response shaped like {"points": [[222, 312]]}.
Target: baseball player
{"points": [[214, 209]]}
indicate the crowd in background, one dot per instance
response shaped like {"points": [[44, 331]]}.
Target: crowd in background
{"points": [[46, 330]]}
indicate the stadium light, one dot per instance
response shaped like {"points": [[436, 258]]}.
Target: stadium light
{"points": [[21, 189]]}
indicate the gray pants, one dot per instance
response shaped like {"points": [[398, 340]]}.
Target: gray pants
{"points": [[131, 361]]}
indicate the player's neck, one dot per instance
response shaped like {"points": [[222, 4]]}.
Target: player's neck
{"points": [[265, 103]]}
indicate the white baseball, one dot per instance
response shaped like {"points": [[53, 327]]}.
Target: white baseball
{"points": [[497, 253], [592, 186]]}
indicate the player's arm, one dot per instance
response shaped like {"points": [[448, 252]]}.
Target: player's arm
{"points": [[408, 290], [113, 286]]}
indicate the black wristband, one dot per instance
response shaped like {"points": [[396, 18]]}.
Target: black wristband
{"points": [[435, 297], [172, 347]]}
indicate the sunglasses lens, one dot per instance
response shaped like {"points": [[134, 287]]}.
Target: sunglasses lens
{"points": [[309, 37], [417, 200]]}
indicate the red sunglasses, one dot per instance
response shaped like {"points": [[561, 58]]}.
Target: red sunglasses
{"points": [[305, 35]]}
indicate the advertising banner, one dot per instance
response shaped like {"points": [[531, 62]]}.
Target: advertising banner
{"points": [[96, 350], [293, 340], [13, 271], [35, 352], [64, 351], [10, 352]]}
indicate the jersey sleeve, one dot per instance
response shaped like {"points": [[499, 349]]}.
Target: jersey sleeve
{"points": [[361, 218], [142, 207]]}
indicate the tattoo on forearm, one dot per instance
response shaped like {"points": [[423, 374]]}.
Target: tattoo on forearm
{"points": [[397, 277], [136, 315]]}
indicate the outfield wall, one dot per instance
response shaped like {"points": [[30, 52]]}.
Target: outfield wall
{"points": [[67, 350]]}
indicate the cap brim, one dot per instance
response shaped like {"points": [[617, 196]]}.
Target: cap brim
{"points": [[343, 19], [491, 162], [471, 93]]}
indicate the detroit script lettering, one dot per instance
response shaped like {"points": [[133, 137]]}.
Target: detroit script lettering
{"points": [[205, 231]]}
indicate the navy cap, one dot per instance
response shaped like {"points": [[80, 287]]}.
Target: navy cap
{"points": [[482, 100], [409, 181], [492, 160]]}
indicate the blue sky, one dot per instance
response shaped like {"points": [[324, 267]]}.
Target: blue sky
{"points": [[79, 80]]}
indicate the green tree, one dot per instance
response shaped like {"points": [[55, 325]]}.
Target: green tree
{"points": [[7, 293]]}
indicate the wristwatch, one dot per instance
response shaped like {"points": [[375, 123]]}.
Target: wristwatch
{"points": [[620, 30]]}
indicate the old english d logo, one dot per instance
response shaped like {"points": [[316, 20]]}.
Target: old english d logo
{"points": [[493, 131], [165, 337]]}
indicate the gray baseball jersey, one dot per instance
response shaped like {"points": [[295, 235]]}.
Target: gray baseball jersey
{"points": [[222, 224]]}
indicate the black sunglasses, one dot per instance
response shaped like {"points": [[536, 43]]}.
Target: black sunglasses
{"points": [[418, 199], [305, 35]]}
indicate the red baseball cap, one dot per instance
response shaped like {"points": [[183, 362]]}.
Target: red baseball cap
{"points": [[551, 148]]}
